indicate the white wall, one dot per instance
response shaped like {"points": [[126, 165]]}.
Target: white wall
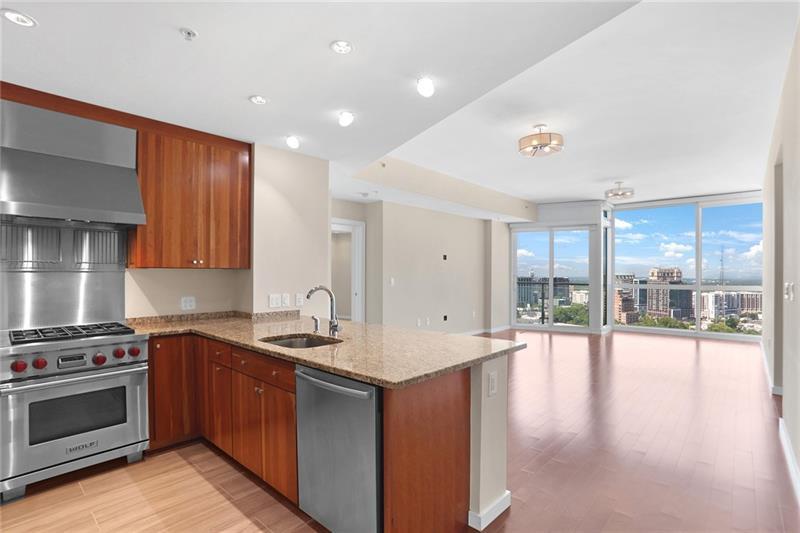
{"points": [[498, 284], [785, 154], [341, 272], [349, 210]]}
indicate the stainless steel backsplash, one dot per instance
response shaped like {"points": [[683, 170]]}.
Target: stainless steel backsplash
{"points": [[56, 272]]}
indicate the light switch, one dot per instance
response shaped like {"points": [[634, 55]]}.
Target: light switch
{"points": [[391, 281], [188, 303], [274, 300], [299, 299], [492, 383], [285, 301]]}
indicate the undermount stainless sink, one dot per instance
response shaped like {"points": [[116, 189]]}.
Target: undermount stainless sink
{"points": [[301, 341]]}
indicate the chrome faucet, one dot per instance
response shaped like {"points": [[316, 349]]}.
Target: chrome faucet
{"points": [[335, 328]]}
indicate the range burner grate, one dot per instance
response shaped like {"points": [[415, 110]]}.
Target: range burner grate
{"points": [[60, 333]]}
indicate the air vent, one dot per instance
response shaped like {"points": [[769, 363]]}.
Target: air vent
{"points": [[29, 247], [97, 247]]}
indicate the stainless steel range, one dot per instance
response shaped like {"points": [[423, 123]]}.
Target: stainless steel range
{"points": [[70, 396], [73, 378]]}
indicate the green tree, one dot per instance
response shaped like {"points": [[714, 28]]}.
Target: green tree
{"points": [[577, 314]]}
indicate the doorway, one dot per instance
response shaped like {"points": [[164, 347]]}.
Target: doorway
{"points": [[348, 266]]}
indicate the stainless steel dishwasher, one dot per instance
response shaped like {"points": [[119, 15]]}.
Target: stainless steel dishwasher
{"points": [[339, 451]]}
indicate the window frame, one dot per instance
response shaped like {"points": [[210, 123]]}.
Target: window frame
{"points": [[699, 203]]}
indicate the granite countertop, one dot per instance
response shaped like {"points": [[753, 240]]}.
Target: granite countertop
{"points": [[386, 356]]}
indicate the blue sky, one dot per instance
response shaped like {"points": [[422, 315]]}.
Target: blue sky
{"points": [[665, 237], [571, 249]]}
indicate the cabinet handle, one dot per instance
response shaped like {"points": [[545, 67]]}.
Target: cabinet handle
{"points": [[243, 362], [201, 261], [259, 391], [158, 346], [194, 261], [274, 372], [217, 368], [217, 353]]}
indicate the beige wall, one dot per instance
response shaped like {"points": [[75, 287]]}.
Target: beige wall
{"points": [[291, 227], [348, 210], [341, 272], [155, 291], [426, 286], [498, 282], [785, 155], [374, 281]]}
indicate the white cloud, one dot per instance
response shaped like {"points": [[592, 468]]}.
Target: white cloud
{"points": [[622, 224], [754, 252], [630, 237], [659, 235], [522, 252], [741, 236], [674, 249]]}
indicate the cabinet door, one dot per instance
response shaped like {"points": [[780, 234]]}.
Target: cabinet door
{"points": [[219, 400], [167, 178], [171, 361], [225, 206], [246, 423], [280, 441]]}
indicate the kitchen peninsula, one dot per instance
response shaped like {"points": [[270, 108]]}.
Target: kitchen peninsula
{"points": [[430, 416]]}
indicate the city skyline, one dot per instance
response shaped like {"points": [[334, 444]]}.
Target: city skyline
{"points": [[665, 237]]}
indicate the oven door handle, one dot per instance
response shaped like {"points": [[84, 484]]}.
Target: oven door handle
{"points": [[138, 369]]}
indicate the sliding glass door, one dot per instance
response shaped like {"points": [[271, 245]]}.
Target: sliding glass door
{"points": [[551, 274]]}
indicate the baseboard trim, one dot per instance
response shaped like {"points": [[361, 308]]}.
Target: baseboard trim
{"points": [[500, 328], [481, 331], [777, 391], [479, 521], [791, 459], [767, 372]]}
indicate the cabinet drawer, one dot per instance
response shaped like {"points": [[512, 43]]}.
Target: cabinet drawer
{"points": [[219, 352], [267, 369]]}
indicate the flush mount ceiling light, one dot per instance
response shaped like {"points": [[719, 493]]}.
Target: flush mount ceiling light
{"points": [[425, 87], [18, 18], [188, 33], [341, 47], [619, 192], [293, 142], [541, 143], [346, 118], [258, 99]]}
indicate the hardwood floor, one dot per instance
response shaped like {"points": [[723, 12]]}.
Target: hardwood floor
{"points": [[636, 432], [629, 432], [192, 488]]}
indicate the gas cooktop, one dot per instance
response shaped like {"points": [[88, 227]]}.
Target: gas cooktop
{"points": [[60, 333]]}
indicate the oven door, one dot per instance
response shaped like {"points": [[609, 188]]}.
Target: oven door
{"points": [[55, 420]]}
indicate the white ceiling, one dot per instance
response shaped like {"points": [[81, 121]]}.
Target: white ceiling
{"points": [[131, 57], [675, 99]]}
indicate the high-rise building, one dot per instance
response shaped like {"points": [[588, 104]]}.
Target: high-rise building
{"points": [[663, 300], [625, 311]]}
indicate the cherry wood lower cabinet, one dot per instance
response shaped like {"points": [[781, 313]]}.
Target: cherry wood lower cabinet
{"points": [[426, 455], [247, 411], [171, 377]]}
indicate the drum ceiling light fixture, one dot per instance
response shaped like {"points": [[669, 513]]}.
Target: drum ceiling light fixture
{"points": [[541, 143]]}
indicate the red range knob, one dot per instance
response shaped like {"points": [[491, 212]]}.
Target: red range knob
{"points": [[19, 366], [99, 359], [119, 353], [134, 351], [39, 363]]}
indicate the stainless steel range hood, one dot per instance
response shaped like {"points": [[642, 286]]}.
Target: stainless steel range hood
{"points": [[59, 166]]}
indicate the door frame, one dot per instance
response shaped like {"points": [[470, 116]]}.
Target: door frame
{"points": [[358, 260]]}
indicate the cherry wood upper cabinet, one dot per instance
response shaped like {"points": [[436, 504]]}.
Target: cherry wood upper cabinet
{"points": [[195, 187], [197, 200]]}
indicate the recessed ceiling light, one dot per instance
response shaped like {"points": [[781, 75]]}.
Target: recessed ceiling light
{"points": [[346, 118], [188, 33], [258, 99], [19, 18], [425, 87], [341, 47], [293, 142]]}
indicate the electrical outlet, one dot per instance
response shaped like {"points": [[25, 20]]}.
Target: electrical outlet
{"points": [[286, 301], [299, 299], [444, 318], [274, 300], [492, 383], [188, 303]]}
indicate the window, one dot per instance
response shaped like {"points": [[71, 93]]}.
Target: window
{"points": [[571, 277], [658, 282], [533, 273]]}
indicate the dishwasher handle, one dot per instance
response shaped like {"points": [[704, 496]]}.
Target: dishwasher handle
{"points": [[333, 387]]}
